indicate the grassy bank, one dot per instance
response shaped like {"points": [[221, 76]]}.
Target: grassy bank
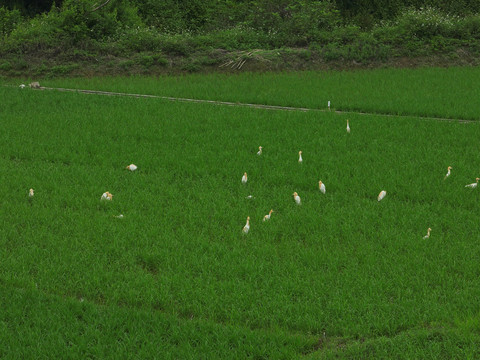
{"points": [[51, 46]]}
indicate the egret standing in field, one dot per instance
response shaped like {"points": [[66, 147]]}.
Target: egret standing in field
{"points": [[382, 194], [246, 228], [267, 217], [428, 233], [474, 185], [244, 178], [106, 196], [348, 128], [300, 160], [297, 198], [131, 167], [30, 193], [321, 187], [259, 150], [448, 172]]}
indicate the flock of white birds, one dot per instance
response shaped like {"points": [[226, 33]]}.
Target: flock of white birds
{"points": [[322, 189], [296, 197], [321, 186], [107, 196]]}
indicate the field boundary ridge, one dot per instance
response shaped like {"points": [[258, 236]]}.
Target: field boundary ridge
{"points": [[256, 106]]}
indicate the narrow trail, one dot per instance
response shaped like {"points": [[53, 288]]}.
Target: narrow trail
{"points": [[256, 106]]}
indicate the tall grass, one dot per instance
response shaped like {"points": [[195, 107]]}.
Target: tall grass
{"points": [[440, 92], [177, 276]]}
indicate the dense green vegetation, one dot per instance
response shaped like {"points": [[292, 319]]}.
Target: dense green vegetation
{"points": [[176, 278], [195, 15], [82, 36]]}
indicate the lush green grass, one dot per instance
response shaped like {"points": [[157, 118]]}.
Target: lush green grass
{"points": [[441, 92], [177, 278]]}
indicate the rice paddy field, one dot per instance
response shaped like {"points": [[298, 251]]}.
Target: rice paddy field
{"points": [[439, 92], [340, 276]]}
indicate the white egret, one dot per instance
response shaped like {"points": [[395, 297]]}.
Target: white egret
{"points": [[300, 160], [244, 178], [267, 217], [321, 186], [297, 198], [428, 233], [448, 172], [106, 196], [259, 150], [132, 167], [474, 185], [382, 194], [246, 228]]}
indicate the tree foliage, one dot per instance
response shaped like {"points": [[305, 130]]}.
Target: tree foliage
{"points": [[232, 24], [9, 19]]}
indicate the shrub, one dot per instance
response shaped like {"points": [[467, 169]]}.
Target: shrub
{"points": [[139, 39], [367, 13], [468, 28], [426, 23], [5, 66], [160, 60], [36, 34], [79, 19], [346, 34], [309, 17], [296, 22], [146, 60], [173, 16], [241, 38], [175, 45], [9, 20]]}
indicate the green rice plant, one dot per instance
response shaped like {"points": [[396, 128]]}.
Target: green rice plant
{"points": [[342, 275]]}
